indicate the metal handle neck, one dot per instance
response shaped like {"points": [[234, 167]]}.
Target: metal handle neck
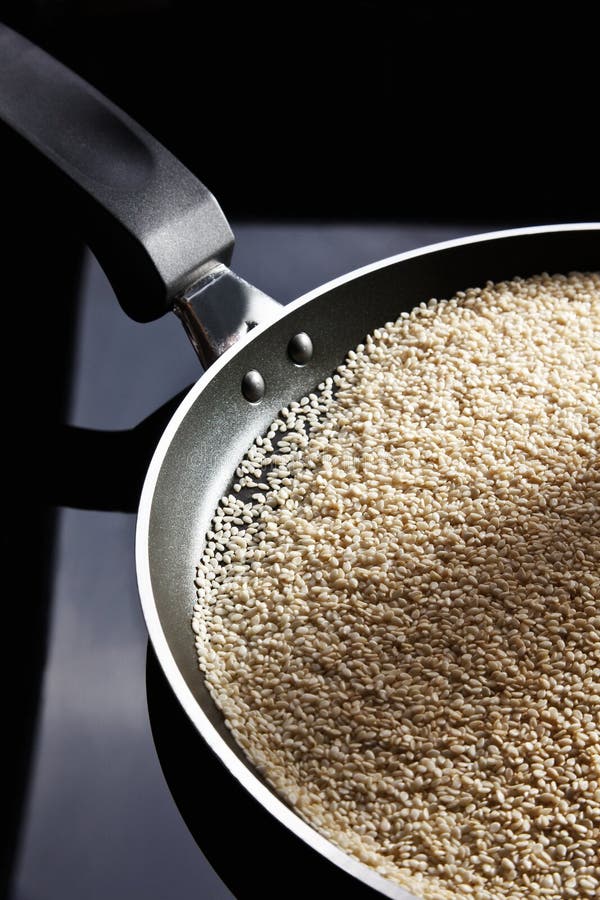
{"points": [[220, 309]]}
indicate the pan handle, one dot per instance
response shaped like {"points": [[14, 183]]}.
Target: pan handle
{"points": [[154, 227]]}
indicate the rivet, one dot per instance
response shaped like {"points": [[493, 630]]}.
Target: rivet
{"points": [[300, 348], [253, 386]]}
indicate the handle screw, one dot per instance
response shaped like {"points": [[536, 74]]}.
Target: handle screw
{"points": [[253, 386], [300, 349]]}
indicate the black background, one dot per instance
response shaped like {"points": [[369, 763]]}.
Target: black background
{"points": [[460, 112], [456, 111]]}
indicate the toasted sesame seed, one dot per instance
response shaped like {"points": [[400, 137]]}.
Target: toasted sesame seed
{"points": [[398, 614]]}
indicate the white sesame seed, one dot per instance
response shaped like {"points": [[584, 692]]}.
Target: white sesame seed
{"points": [[401, 627]]}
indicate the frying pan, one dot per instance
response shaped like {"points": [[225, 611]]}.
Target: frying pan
{"points": [[165, 245]]}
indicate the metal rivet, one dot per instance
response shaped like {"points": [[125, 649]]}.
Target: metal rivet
{"points": [[300, 348], [253, 386]]}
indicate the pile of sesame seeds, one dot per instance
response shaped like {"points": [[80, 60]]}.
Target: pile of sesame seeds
{"points": [[398, 605]]}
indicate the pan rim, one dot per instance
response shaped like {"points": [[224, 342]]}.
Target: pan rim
{"points": [[235, 766]]}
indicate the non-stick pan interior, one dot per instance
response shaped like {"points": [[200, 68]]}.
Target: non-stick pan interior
{"points": [[220, 425]]}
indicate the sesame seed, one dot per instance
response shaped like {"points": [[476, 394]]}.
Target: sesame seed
{"points": [[398, 613]]}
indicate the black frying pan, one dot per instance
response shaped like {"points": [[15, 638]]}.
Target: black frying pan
{"points": [[165, 244]]}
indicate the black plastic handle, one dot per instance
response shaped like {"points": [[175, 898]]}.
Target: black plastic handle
{"points": [[153, 226]]}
